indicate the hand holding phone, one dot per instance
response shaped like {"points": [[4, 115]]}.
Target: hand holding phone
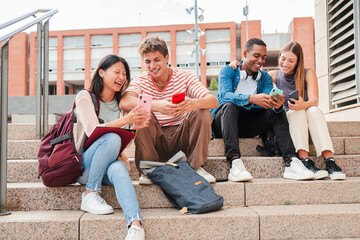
{"points": [[178, 98], [145, 102], [294, 95], [278, 91]]}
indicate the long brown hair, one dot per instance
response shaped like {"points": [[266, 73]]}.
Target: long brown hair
{"points": [[97, 84], [296, 49]]}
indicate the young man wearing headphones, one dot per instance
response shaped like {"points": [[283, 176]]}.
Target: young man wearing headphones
{"points": [[246, 110]]}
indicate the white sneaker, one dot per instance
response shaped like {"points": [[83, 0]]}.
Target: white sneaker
{"points": [[296, 170], [210, 178], [238, 172], [94, 203], [135, 233], [145, 180]]}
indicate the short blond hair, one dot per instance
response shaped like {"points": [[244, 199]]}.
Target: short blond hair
{"points": [[153, 44]]}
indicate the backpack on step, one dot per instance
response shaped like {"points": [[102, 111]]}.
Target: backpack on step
{"points": [[186, 189], [59, 161], [271, 146]]}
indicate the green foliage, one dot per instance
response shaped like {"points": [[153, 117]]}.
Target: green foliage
{"points": [[213, 84], [287, 202]]}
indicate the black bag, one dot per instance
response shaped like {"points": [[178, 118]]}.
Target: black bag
{"points": [[186, 189], [271, 145]]}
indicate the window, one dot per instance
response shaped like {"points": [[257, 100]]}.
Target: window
{"points": [[344, 51]]}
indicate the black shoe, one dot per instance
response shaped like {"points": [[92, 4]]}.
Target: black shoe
{"points": [[309, 164], [334, 170]]}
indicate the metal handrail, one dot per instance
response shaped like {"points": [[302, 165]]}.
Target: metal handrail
{"points": [[43, 29], [21, 29]]}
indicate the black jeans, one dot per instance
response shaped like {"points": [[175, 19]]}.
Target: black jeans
{"points": [[233, 122]]}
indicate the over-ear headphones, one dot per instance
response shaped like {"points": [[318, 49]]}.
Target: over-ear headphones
{"points": [[243, 74]]}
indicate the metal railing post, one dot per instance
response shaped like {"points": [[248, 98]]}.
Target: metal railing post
{"points": [[45, 86], [3, 126], [38, 80]]}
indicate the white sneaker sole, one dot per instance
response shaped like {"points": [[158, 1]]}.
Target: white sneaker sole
{"points": [[145, 182], [321, 175], [99, 212], [338, 176], [240, 179], [296, 177]]}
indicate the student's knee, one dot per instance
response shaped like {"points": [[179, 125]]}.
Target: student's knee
{"points": [[203, 115], [314, 111], [113, 142], [117, 168]]}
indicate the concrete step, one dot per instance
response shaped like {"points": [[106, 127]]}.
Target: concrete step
{"points": [[259, 167], [28, 149], [277, 191], [234, 223], [330, 221], [26, 131], [35, 196]]}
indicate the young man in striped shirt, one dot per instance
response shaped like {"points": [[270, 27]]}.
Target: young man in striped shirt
{"points": [[184, 126]]}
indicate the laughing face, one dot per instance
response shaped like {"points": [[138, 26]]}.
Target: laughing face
{"points": [[254, 59], [156, 64], [114, 77], [287, 62]]}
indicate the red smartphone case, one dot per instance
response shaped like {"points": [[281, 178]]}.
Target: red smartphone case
{"points": [[177, 98]]}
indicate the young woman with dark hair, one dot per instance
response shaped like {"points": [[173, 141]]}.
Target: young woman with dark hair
{"points": [[101, 161]]}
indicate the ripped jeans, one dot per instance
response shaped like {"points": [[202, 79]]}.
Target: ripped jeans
{"points": [[100, 166]]}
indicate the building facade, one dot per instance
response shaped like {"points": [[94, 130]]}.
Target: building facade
{"points": [[337, 51], [75, 54]]}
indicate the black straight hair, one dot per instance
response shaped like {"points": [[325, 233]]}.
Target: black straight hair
{"points": [[97, 83]]}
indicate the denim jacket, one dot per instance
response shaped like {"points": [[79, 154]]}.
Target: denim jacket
{"points": [[228, 82]]}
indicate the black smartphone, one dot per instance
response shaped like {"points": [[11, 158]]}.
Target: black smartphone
{"points": [[294, 95]]}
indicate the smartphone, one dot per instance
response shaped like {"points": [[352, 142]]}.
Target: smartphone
{"points": [[278, 91], [145, 102], [294, 95], [177, 98]]}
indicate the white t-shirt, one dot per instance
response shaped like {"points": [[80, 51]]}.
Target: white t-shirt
{"points": [[247, 85]]}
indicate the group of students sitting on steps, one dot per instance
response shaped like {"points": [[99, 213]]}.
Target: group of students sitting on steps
{"points": [[244, 108]]}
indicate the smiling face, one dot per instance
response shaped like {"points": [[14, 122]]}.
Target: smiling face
{"points": [[287, 62], [254, 59], [156, 64], [114, 77]]}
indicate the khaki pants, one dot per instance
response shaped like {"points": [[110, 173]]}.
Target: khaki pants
{"points": [[192, 136], [310, 120]]}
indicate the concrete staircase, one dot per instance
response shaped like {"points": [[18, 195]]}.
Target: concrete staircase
{"points": [[269, 207]]}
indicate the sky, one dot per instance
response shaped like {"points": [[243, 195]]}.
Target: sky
{"points": [[275, 15]]}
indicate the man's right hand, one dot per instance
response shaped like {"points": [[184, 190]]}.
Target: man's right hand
{"points": [[262, 100], [164, 106]]}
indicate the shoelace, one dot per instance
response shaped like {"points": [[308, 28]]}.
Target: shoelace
{"points": [[133, 233], [309, 163], [332, 165], [240, 165], [98, 198]]}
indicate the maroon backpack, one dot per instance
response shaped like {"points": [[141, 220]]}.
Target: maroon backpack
{"points": [[59, 161]]}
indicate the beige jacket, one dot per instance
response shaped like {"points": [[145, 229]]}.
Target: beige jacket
{"points": [[87, 120]]}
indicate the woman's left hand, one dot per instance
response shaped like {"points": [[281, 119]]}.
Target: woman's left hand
{"points": [[298, 104]]}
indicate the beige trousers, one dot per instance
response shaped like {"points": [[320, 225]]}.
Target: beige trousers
{"points": [[192, 136], [311, 120]]}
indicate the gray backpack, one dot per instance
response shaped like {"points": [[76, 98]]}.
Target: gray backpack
{"points": [[186, 189]]}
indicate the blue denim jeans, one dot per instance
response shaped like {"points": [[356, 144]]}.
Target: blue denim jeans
{"points": [[100, 166]]}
